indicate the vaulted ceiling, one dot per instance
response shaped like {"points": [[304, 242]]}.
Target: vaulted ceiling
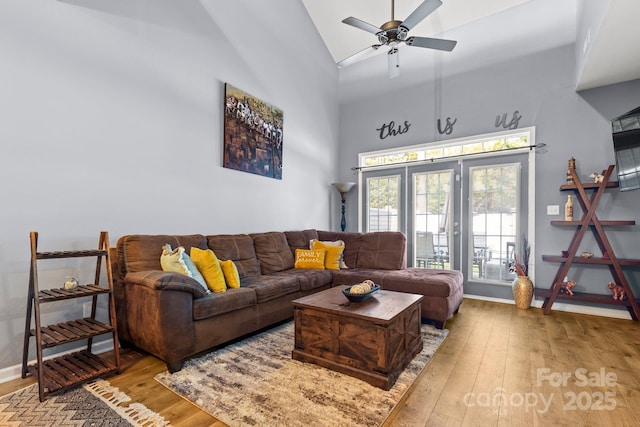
{"points": [[486, 31]]}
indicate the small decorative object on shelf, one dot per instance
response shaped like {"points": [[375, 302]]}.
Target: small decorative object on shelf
{"points": [[567, 286], [572, 167], [71, 283], [568, 209], [586, 255], [618, 291], [597, 177]]}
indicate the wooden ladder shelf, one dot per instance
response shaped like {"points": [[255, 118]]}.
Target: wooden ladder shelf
{"points": [[591, 222], [66, 371]]}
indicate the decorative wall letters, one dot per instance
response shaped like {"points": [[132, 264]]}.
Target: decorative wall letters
{"points": [[448, 128], [445, 126], [513, 124], [390, 129]]}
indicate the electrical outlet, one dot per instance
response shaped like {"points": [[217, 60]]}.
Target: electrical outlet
{"points": [[553, 210], [86, 309]]}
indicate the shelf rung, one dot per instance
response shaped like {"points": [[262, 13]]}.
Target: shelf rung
{"points": [[611, 223], [586, 297], [58, 294], [70, 254], [593, 260], [72, 369], [74, 330]]}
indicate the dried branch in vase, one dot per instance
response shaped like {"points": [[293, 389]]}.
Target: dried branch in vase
{"points": [[521, 266]]}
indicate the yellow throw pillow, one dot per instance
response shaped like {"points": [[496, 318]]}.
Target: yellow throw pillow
{"points": [[310, 259], [230, 272], [209, 267], [333, 255], [343, 265]]}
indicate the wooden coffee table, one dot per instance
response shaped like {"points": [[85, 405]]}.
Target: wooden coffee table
{"points": [[373, 340]]}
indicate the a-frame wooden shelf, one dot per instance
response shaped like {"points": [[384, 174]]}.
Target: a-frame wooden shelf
{"points": [[66, 371], [588, 196]]}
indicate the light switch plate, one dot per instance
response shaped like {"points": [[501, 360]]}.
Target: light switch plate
{"points": [[553, 210]]}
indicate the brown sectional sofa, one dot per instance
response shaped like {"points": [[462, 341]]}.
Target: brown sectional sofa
{"points": [[172, 317]]}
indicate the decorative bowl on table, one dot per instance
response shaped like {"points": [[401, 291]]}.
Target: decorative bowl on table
{"points": [[361, 291]]}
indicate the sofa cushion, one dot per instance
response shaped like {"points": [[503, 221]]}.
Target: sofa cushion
{"points": [[238, 248], [271, 287], [273, 251], [141, 252], [224, 302], [308, 280], [300, 239], [385, 250], [427, 282], [352, 242]]}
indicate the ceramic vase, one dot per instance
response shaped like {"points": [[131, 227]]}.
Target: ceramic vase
{"points": [[522, 291]]}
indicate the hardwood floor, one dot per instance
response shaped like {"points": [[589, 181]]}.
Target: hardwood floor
{"points": [[499, 366]]}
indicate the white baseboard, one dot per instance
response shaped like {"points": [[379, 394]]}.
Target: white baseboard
{"points": [[14, 372], [571, 308]]}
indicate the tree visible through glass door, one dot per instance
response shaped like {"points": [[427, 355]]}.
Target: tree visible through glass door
{"points": [[383, 203]]}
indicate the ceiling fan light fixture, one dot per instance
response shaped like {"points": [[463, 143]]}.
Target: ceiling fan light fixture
{"points": [[402, 33], [382, 38], [394, 63]]}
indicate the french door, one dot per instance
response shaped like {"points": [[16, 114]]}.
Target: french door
{"points": [[495, 191], [466, 214]]}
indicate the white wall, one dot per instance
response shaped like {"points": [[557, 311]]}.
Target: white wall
{"points": [[111, 119]]}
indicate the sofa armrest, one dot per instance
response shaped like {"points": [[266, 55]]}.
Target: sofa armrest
{"points": [[161, 280]]}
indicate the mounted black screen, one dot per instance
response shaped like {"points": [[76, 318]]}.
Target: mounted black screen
{"points": [[626, 144]]}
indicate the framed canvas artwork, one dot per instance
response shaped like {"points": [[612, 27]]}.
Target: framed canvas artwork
{"points": [[252, 134]]}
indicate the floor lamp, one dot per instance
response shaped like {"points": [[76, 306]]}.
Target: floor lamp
{"points": [[343, 188]]}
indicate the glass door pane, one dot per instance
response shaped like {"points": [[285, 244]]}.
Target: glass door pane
{"points": [[383, 198], [495, 216], [432, 214]]}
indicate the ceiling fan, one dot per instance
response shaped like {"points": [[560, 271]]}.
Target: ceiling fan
{"points": [[393, 32]]}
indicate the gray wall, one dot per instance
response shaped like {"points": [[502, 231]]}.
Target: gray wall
{"points": [[111, 119], [591, 14], [541, 88]]}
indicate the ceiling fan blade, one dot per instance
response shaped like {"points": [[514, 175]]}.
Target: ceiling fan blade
{"points": [[439, 44], [421, 12], [394, 64], [358, 56], [358, 23]]}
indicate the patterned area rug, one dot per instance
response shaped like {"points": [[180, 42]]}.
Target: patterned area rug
{"points": [[255, 382], [96, 404]]}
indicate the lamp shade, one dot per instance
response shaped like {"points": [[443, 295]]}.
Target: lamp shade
{"points": [[343, 187]]}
